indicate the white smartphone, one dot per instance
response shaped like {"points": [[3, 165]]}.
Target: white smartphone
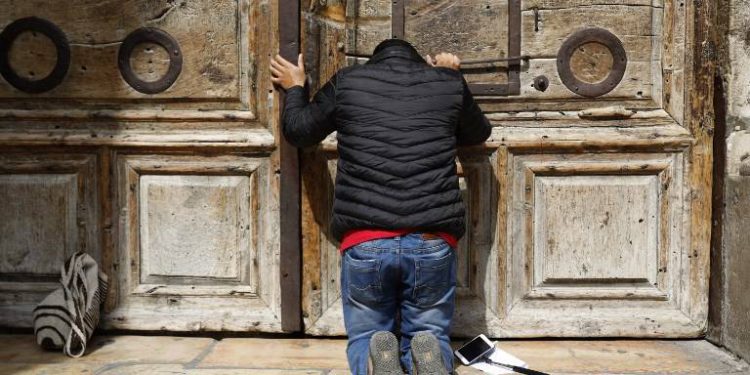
{"points": [[474, 350]]}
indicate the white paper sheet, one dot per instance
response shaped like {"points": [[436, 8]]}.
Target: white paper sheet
{"points": [[501, 356]]}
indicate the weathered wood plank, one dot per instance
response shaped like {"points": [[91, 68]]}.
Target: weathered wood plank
{"points": [[155, 115], [148, 134], [632, 25], [326, 41], [610, 138], [635, 85], [467, 40], [214, 37], [673, 63], [700, 121], [582, 4], [289, 189]]}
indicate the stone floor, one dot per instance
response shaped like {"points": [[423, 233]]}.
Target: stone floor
{"points": [[271, 356]]}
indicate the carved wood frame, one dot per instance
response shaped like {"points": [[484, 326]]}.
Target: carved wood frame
{"points": [[258, 298], [526, 300]]}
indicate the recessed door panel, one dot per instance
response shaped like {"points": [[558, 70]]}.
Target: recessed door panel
{"points": [[195, 239], [50, 210]]}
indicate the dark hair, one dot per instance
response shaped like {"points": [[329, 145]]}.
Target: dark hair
{"points": [[391, 42]]}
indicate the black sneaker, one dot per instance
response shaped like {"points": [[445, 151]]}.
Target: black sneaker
{"points": [[384, 354], [426, 357]]}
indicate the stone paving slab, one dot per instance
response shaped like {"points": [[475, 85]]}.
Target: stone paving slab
{"points": [[108, 349], [161, 355], [48, 368], [278, 353], [180, 369]]}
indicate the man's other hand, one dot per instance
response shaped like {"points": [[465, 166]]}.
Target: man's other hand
{"points": [[286, 74], [445, 60]]}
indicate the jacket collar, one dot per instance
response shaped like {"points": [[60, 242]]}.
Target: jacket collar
{"points": [[396, 48]]}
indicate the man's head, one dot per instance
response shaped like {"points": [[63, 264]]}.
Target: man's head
{"points": [[447, 60], [392, 43]]}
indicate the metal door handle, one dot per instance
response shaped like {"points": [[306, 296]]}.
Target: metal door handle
{"points": [[503, 59], [466, 62]]}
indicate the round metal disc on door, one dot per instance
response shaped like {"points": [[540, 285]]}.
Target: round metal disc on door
{"points": [[41, 30], [152, 40], [591, 62]]}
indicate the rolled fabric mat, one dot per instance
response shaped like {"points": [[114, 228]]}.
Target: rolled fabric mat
{"points": [[67, 317]]}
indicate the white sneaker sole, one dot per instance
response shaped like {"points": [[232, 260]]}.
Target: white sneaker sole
{"points": [[384, 354]]}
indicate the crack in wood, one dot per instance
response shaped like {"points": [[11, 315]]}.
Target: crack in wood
{"points": [[164, 13]]}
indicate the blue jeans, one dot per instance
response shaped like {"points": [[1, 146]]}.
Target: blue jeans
{"points": [[407, 275]]}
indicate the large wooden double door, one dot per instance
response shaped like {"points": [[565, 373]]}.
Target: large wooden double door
{"points": [[146, 134]]}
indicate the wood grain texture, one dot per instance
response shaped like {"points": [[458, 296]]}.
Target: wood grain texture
{"points": [[321, 307], [700, 121], [225, 71], [488, 41], [593, 204], [194, 228], [216, 37], [673, 51], [166, 134]]}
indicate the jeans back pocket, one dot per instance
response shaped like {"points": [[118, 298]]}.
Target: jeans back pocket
{"points": [[363, 278], [434, 278]]}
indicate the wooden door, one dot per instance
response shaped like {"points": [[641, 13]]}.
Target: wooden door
{"points": [[145, 133], [588, 208]]}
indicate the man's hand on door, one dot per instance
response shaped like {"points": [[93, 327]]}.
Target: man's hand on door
{"points": [[445, 60], [286, 74]]}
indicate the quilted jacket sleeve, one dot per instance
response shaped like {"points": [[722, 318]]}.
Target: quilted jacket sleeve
{"points": [[473, 128], [305, 122]]}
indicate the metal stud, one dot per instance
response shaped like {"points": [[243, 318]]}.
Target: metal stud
{"points": [[541, 83]]}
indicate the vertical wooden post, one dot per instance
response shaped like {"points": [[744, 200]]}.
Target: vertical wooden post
{"points": [[700, 119], [290, 240]]}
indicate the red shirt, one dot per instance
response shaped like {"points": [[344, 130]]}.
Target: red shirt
{"points": [[358, 236]]}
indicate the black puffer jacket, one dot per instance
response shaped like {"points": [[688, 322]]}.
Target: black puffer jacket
{"points": [[398, 122]]}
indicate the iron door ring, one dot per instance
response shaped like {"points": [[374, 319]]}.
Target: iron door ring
{"points": [[58, 38], [161, 38], [619, 63]]}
